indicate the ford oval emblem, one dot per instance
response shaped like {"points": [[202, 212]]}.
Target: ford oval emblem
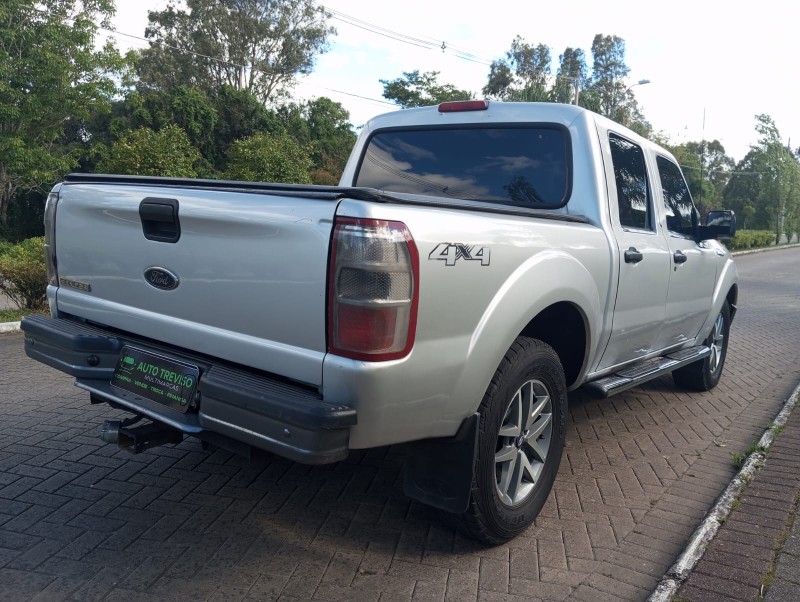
{"points": [[161, 278]]}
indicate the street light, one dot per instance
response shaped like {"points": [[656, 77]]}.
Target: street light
{"points": [[641, 82]]}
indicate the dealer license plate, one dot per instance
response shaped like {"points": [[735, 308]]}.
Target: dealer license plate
{"points": [[156, 377]]}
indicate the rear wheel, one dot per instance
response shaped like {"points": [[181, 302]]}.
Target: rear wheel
{"points": [[704, 375], [520, 442]]}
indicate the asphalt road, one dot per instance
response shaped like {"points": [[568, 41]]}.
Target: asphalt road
{"points": [[81, 520]]}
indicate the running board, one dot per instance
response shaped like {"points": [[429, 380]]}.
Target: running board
{"points": [[644, 371]]}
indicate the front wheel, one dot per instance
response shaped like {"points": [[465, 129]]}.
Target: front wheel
{"points": [[520, 442], [704, 375]]}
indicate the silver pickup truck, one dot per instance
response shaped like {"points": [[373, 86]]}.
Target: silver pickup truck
{"points": [[477, 262]]}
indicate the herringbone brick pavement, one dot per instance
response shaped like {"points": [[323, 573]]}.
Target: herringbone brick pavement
{"points": [[81, 520]]}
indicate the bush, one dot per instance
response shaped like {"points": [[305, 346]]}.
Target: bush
{"points": [[23, 273], [268, 158], [750, 239], [144, 152]]}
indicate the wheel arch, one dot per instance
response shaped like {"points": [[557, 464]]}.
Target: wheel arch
{"points": [[564, 327], [733, 297], [548, 294]]}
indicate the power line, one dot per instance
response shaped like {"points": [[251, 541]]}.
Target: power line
{"points": [[422, 42], [350, 20], [236, 65]]}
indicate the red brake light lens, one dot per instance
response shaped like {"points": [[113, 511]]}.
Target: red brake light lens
{"points": [[456, 106]]}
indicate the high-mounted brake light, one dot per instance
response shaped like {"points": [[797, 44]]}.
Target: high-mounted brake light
{"points": [[372, 289], [456, 106]]}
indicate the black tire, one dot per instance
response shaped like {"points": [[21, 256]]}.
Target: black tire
{"points": [[503, 503], [704, 375]]}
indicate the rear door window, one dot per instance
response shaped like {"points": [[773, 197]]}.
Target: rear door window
{"points": [[630, 173], [522, 166], [681, 214]]}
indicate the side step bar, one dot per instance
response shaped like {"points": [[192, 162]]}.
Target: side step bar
{"points": [[637, 374]]}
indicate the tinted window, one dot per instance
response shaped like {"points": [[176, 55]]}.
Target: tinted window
{"points": [[517, 166], [677, 200], [631, 177]]}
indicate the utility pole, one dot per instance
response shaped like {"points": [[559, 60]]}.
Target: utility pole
{"points": [[702, 160]]}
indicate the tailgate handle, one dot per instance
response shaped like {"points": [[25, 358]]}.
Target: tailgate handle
{"points": [[160, 219]]}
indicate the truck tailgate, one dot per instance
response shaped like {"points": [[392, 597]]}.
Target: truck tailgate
{"points": [[250, 269]]}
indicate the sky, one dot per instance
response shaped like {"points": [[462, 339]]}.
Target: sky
{"points": [[712, 65]]}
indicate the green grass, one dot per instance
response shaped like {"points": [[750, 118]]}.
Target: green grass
{"points": [[14, 315], [740, 458]]}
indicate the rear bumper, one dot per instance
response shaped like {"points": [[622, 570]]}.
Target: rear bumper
{"points": [[252, 408]]}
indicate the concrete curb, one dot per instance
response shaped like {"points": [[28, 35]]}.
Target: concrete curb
{"points": [[9, 327], [763, 249], [679, 572]]}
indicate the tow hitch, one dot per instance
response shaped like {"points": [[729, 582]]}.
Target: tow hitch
{"points": [[138, 439]]}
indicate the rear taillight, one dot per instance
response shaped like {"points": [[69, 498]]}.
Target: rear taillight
{"points": [[372, 289], [50, 238]]}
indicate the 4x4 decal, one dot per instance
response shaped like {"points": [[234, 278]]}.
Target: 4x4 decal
{"points": [[450, 252]]}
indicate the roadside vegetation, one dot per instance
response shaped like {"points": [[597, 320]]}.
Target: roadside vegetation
{"points": [[23, 275]]}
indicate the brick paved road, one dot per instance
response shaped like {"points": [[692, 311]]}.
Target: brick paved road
{"points": [[82, 520]]}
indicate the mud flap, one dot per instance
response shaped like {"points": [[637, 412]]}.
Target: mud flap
{"points": [[439, 471]]}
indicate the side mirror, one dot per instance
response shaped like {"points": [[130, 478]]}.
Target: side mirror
{"points": [[719, 224]]}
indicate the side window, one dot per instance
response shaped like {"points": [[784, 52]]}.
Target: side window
{"points": [[631, 177], [681, 215]]}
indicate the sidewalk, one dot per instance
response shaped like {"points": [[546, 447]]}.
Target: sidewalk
{"points": [[755, 554]]}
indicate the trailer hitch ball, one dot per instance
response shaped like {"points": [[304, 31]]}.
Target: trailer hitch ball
{"points": [[109, 432]]}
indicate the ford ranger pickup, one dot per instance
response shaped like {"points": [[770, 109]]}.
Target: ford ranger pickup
{"points": [[477, 261]]}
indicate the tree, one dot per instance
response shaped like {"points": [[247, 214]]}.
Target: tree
{"points": [[765, 188], [742, 192], [188, 108], [500, 81], [268, 158], [322, 126], [608, 74], [420, 90], [608, 89], [707, 170], [256, 45], [145, 152], [239, 115], [779, 176], [523, 75], [50, 75], [571, 77]]}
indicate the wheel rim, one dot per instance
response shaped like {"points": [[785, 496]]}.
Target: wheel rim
{"points": [[717, 339], [523, 442]]}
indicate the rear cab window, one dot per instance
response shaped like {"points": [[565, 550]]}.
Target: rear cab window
{"points": [[519, 165]]}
